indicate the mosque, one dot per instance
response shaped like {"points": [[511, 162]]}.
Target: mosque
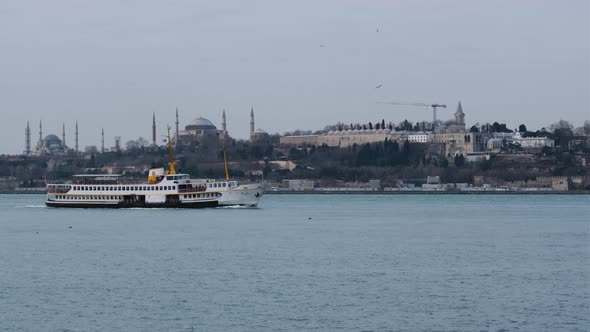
{"points": [[48, 145], [202, 130]]}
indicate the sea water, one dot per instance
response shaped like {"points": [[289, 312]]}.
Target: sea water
{"points": [[300, 262]]}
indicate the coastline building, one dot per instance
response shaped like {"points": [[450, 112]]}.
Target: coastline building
{"points": [[456, 140], [343, 138], [533, 142], [461, 142]]}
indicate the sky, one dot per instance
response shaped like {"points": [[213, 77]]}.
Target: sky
{"points": [[301, 64]]}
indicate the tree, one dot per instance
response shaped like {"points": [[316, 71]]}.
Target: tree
{"points": [[583, 130], [500, 128], [459, 160], [370, 126], [474, 129], [522, 128], [383, 124], [562, 128]]}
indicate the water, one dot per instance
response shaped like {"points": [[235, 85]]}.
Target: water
{"points": [[373, 263]]}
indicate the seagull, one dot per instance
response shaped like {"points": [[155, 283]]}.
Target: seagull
{"points": [[321, 45], [377, 30], [378, 86]]}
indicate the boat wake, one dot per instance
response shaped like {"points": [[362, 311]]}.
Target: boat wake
{"points": [[32, 206], [237, 207]]}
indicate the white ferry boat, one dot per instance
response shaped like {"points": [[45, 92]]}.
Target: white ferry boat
{"points": [[162, 189]]}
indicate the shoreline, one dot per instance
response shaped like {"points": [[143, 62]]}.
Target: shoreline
{"points": [[409, 192], [574, 192]]}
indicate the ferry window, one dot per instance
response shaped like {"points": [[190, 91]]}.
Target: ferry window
{"points": [[173, 187], [224, 184]]}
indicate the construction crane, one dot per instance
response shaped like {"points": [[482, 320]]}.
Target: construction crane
{"points": [[434, 107]]}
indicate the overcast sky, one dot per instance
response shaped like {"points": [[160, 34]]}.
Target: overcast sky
{"points": [[300, 64]]}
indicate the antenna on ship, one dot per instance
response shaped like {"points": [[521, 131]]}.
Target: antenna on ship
{"points": [[171, 163]]}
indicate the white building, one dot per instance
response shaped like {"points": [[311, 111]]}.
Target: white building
{"points": [[419, 137], [533, 142]]}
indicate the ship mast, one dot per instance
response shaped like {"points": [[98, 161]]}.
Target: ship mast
{"points": [[171, 163], [225, 163]]}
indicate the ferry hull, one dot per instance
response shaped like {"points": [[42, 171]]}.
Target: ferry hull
{"points": [[120, 205]]}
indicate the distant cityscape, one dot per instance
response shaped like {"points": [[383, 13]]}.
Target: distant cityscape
{"points": [[384, 156]]}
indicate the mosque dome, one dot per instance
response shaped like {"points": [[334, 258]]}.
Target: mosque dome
{"points": [[52, 145], [260, 131], [201, 124], [52, 139]]}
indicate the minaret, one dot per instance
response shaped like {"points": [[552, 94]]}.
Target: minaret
{"points": [[154, 130], [63, 134], [224, 122], [176, 138], [102, 141], [76, 135], [252, 121], [40, 134], [27, 139]]}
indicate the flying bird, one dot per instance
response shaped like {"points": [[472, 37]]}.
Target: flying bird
{"points": [[378, 86]]}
